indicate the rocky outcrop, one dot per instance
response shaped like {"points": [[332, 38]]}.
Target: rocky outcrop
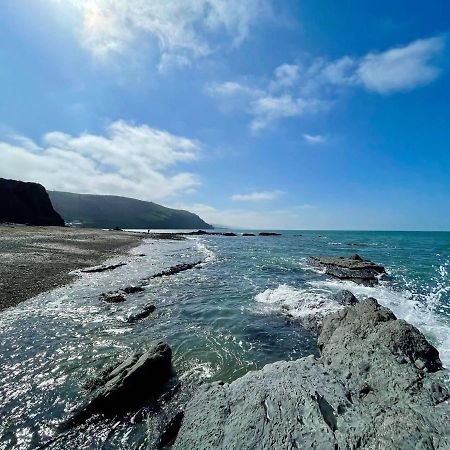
{"points": [[264, 233], [352, 268], [176, 269], [136, 380], [148, 309], [378, 384], [103, 267], [27, 203], [247, 234]]}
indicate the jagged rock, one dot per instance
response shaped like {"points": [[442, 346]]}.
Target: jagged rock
{"points": [[170, 431], [27, 203], [264, 233], [365, 391], [345, 298], [352, 268], [146, 311], [136, 380]]}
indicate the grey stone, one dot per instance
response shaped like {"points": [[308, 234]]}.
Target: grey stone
{"points": [[356, 395], [136, 380], [352, 268], [345, 298]]}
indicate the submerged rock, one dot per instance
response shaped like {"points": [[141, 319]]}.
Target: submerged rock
{"points": [[103, 267], [113, 297], [352, 268], [176, 269], [146, 311], [365, 391], [139, 378]]}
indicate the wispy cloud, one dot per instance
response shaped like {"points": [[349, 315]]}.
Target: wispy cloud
{"points": [[298, 89], [401, 68], [257, 196], [136, 161], [314, 138], [183, 30]]}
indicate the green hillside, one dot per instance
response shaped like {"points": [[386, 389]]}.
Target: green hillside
{"points": [[109, 211]]}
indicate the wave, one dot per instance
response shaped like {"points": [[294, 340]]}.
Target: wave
{"points": [[297, 302], [210, 255]]}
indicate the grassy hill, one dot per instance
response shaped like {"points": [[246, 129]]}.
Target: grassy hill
{"points": [[109, 211]]}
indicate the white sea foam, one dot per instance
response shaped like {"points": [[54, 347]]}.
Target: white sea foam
{"points": [[210, 255], [297, 302]]}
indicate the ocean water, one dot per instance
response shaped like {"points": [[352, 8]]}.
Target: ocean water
{"points": [[222, 320]]}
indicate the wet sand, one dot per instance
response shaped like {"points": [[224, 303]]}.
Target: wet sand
{"points": [[38, 259]]}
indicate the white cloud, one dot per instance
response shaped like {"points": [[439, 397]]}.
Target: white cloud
{"points": [[314, 138], [295, 90], [401, 68], [135, 161], [295, 217], [257, 196], [182, 29]]}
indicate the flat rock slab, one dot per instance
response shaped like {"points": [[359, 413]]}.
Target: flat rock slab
{"points": [[367, 390], [350, 268]]}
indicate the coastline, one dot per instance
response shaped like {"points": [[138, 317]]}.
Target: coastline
{"points": [[39, 259]]}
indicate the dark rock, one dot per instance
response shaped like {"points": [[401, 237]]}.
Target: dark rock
{"points": [[356, 395], [264, 233], [113, 297], [176, 269], [229, 234], [133, 289], [27, 203], [103, 267], [133, 382], [350, 268], [116, 229], [170, 432], [247, 234], [198, 232], [345, 298], [147, 310]]}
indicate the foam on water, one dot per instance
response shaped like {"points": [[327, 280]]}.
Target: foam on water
{"points": [[210, 256], [297, 302]]}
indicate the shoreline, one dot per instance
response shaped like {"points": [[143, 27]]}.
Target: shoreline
{"points": [[38, 259]]}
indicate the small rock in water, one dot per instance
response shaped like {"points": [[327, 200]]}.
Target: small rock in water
{"points": [[113, 297], [133, 289], [147, 310]]}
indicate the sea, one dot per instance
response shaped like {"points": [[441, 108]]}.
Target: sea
{"points": [[233, 314]]}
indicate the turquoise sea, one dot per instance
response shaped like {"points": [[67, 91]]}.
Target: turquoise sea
{"points": [[222, 320]]}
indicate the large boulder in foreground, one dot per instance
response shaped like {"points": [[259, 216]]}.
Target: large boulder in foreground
{"points": [[352, 268], [26, 203], [130, 384], [378, 384]]}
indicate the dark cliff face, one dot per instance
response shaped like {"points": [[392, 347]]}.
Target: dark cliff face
{"points": [[26, 203], [108, 211]]}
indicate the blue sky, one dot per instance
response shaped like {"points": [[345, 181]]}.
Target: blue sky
{"points": [[266, 114]]}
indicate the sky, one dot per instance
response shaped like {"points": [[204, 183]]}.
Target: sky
{"points": [[261, 114]]}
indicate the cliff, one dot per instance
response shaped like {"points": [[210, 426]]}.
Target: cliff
{"points": [[26, 203]]}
